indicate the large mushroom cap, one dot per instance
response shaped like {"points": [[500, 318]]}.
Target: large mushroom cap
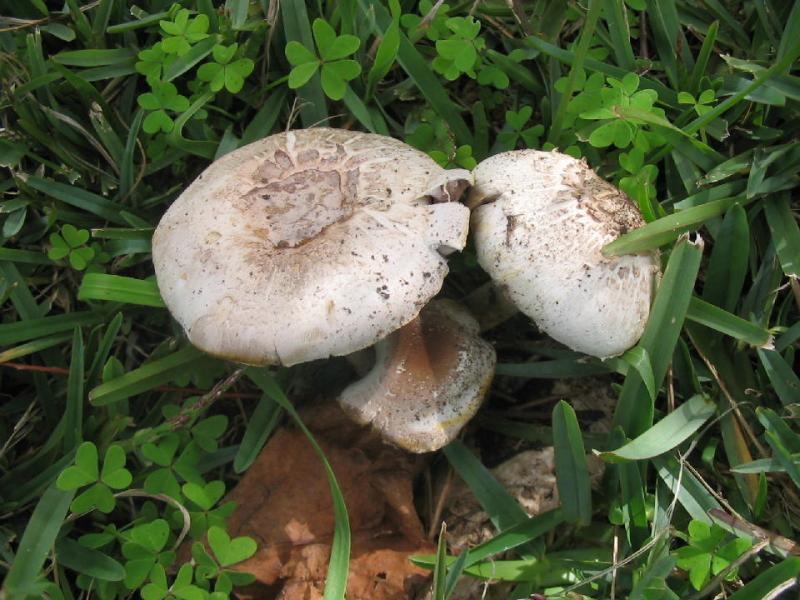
{"points": [[428, 380], [308, 244], [540, 221]]}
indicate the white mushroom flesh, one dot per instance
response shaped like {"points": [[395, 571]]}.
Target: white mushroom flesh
{"points": [[308, 244], [540, 221], [428, 380]]}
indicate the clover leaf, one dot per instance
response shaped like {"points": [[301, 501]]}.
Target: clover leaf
{"points": [[708, 554], [181, 33], [432, 25], [182, 587], [336, 69], [71, 243], [459, 53], [224, 73], [701, 104], [144, 549], [230, 551], [114, 474], [602, 104], [157, 588], [206, 497], [206, 432], [515, 129], [170, 465], [152, 62], [85, 471], [491, 75], [163, 98]]}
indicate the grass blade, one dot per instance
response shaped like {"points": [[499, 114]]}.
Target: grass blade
{"points": [[116, 288], [93, 57], [104, 348], [666, 229], [728, 263], [720, 320], [24, 256], [775, 424], [264, 120], [504, 511], [669, 39], [73, 415], [634, 411], [701, 63], [763, 465], [338, 566], [615, 15], [37, 540], [554, 369], [93, 563], [79, 198], [691, 494], [260, 426], [783, 441], [775, 578], [33, 347], [638, 358], [183, 63], [572, 474], [668, 433], [146, 377], [524, 532], [22, 331], [788, 337], [454, 573], [785, 233], [791, 33], [784, 380], [440, 566]]}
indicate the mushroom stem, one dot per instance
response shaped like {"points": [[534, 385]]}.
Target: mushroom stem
{"points": [[428, 380], [489, 305]]}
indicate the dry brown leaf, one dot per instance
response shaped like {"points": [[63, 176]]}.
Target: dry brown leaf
{"points": [[284, 503]]}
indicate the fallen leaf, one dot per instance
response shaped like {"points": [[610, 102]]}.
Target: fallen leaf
{"points": [[284, 503]]}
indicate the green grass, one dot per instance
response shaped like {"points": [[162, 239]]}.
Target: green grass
{"points": [[109, 109]]}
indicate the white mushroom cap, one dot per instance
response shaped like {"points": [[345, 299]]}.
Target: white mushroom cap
{"points": [[308, 244], [428, 380], [540, 221]]}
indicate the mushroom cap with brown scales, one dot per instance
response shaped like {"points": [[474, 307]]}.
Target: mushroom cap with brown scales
{"points": [[429, 379], [308, 244], [540, 220]]}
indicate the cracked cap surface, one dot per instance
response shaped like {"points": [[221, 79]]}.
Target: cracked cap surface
{"points": [[308, 244]]}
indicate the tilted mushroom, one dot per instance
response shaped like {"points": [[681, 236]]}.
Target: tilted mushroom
{"points": [[428, 380], [308, 244], [540, 220]]}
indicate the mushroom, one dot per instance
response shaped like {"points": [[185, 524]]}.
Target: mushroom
{"points": [[308, 244], [428, 380], [540, 220]]}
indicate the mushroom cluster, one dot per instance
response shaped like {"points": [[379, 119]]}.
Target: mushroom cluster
{"points": [[323, 242]]}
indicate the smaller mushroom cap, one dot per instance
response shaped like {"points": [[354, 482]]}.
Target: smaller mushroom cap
{"points": [[308, 244], [540, 221], [428, 380]]}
